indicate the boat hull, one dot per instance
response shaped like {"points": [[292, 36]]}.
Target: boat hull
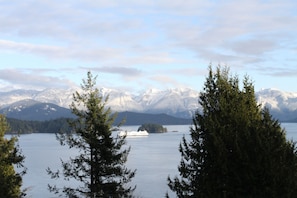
{"points": [[133, 133]]}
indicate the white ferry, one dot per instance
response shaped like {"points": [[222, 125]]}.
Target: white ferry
{"points": [[133, 133]]}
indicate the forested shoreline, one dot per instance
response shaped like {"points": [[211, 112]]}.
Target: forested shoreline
{"points": [[28, 126], [18, 126]]}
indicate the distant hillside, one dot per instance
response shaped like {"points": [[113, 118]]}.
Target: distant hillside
{"points": [[61, 124], [34, 110], [284, 115], [132, 118], [292, 121], [25, 126]]}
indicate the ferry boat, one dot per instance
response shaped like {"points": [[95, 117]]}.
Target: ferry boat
{"points": [[133, 133]]}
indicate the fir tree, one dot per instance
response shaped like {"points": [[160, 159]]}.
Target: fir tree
{"points": [[10, 157], [100, 165], [236, 149]]}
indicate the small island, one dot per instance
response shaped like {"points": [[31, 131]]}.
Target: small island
{"points": [[152, 128]]}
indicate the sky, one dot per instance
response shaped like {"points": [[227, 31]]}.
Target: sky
{"points": [[138, 45]]}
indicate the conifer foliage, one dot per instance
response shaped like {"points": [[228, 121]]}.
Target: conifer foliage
{"points": [[235, 149], [100, 164], [10, 157]]}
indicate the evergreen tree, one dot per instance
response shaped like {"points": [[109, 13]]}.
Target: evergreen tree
{"points": [[100, 165], [10, 156], [236, 149], [152, 128]]}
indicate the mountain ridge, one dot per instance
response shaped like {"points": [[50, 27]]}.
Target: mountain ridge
{"points": [[29, 109], [177, 102]]}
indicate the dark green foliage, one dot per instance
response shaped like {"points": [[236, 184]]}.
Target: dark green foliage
{"points": [[22, 126], [61, 124], [236, 148], [152, 128], [55, 126], [10, 156], [100, 164], [133, 118], [49, 126]]}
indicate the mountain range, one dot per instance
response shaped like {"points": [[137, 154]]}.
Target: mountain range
{"points": [[180, 103]]}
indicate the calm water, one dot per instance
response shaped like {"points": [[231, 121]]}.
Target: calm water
{"points": [[155, 157]]}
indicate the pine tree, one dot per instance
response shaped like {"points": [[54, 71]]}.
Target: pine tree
{"points": [[10, 157], [236, 149], [100, 165]]}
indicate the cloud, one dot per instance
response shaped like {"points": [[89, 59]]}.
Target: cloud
{"points": [[124, 71], [278, 71], [7, 45], [93, 31], [255, 47], [190, 71], [253, 28], [164, 80], [134, 40], [60, 52], [177, 77], [32, 80]]}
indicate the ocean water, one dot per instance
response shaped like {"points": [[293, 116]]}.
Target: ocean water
{"points": [[154, 157]]}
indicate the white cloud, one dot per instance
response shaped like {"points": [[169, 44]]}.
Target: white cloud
{"points": [[32, 79], [7, 45], [125, 71], [89, 30], [60, 52], [137, 39], [278, 71]]}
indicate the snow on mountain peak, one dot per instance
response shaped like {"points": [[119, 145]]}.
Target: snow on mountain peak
{"points": [[277, 99], [172, 101]]}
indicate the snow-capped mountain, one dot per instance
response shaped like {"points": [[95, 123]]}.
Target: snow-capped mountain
{"points": [[178, 102], [29, 109], [283, 105], [278, 100], [175, 102]]}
